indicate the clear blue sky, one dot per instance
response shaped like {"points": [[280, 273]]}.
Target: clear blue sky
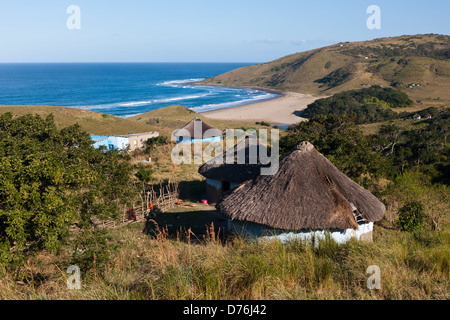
{"points": [[201, 30]]}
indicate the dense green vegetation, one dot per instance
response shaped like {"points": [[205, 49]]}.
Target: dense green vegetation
{"points": [[437, 50], [396, 146], [410, 216], [413, 160], [413, 156], [341, 141], [335, 78], [51, 179], [424, 147], [391, 151], [367, 105]]}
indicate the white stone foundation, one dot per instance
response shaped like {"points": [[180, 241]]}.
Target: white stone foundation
{"points": [[263, 233]]}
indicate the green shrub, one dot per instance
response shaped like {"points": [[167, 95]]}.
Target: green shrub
{"points": [[156, 141], [91, 251], [411, 216], [367, 105], [145, 175], [51, 179]]}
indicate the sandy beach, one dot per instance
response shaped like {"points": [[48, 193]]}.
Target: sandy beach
{"points": [[286, 109]]}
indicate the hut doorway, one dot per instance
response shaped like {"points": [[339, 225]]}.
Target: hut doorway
{"points": [[226, 186]]}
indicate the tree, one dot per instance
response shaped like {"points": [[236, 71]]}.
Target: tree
{"points": [[339, 139], [389, 137], [367, 105], [411, 216], [51, 179], [154, 142], [145, 176]]}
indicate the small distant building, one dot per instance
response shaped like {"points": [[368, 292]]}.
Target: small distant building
{"points": [[417, 117], [428, 116], [123, 142], [222, 177], [306, 199], [136, 140], [110, 143], [198, 131]]}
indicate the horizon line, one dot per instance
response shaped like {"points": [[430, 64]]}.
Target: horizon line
{"points": [[61, 62]]}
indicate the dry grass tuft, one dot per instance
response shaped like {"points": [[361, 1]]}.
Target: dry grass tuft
{"points": [[413, 266]]}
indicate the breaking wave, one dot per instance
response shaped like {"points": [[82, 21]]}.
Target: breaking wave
{"points": [[215, 106], [144, 102]]}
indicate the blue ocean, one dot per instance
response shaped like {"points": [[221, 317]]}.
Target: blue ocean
{"points": [[121, 89]]}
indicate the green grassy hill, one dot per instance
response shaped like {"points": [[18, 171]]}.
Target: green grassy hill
{"points": [[397, 62], [164, 120]]}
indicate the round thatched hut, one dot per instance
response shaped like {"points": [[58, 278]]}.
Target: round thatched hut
{"points": [[198, 131], [224, 173], [307, 198]]}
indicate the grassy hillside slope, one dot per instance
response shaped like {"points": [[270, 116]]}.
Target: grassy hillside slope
{"points": [[168, 119], [397, 62], [91, 122], [164, 120]]}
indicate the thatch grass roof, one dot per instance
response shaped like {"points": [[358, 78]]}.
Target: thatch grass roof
{"points": [[307, 192], [218, 168], [206, 131]]}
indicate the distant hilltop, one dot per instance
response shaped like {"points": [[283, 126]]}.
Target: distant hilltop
{"points": [[416, 64]]}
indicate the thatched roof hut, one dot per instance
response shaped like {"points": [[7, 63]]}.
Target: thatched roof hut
{"points": [[307, 193], [197, 130], [243, 167], [235, 166]]}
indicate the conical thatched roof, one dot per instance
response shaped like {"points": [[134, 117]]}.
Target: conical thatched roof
{"points": [[206, 131], [236, 171], [307, 192]]}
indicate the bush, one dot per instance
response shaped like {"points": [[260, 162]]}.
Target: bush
{"points": [[145, 175], [91, 251], [335, 78], [367, 105], [263, 123], [154, 142], [336, 137], [51, 179], [411, 216]]}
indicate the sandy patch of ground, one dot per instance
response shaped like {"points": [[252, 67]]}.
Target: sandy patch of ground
{"points": [[286, 109]]}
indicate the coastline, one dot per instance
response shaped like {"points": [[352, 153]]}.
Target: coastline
{"points": [[284, 110], [200, 83]]}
